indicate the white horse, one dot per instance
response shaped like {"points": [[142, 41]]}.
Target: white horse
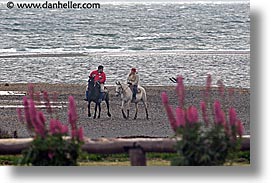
{"points": [[126, 95]]}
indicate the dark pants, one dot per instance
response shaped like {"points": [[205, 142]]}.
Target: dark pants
{"points": [[135, 89]]}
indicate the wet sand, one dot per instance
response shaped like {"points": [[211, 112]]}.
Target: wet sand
{"points": [[116, 126]]}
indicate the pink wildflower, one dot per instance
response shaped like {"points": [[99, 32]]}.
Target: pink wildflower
{"points": [[223, 119], [208, 86], [204, 113], [64, 129], [56, 127], [80, 134], [180, 121], [27, 111], [72, 112], [218, 112], [227, 129], [31, 90], [164, 98], [169, 111], [53, 125], [50, 155], [47, 102], [33, 113], [35, 121], [192, 114], [232, 117], [74, 133], [240, 128], [41, 117], [180, 91]]}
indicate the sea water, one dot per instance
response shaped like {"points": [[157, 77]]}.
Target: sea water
{"points": [[161, 40]]}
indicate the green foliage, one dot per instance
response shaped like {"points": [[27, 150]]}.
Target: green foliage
{"points": [[211, 143], [9, 159], [103, 157], [51, 145], [204, 147], [52, 151]]}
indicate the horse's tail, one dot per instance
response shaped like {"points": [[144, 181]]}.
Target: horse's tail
{"points": [[144, 96]]}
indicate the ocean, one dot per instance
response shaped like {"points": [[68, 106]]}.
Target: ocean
{"points": [[161, 40]]}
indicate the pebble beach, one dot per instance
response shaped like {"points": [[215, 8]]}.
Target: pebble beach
{"points": [[116, 126]]}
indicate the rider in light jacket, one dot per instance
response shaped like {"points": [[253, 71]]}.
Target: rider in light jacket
{"points": [[133, 79]]}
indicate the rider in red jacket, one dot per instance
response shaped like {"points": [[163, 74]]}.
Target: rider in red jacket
{"points": [[99, 76]]}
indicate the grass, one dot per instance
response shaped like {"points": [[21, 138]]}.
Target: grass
{"points": [[126, 163], [153, 159]]}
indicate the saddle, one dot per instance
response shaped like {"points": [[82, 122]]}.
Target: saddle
{"points": [[138, 89]]}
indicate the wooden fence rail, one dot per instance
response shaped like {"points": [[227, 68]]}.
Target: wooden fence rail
{"points": [[136, 147]]}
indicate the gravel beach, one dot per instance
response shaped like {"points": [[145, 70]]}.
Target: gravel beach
{"points": [[116, 126]]}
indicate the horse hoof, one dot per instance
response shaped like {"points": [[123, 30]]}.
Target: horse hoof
{"points": [[98, 117], [89, 115], [94, 117], [109, 114], [135, 118]]}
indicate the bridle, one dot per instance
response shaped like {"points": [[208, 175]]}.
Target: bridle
{"points": [[121, 89]]}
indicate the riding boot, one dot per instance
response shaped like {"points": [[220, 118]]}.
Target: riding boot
{"points": [[100, 97], [86, 99], [134, 92], [134, 96]]}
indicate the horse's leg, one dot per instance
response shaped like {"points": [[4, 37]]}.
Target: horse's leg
{"points": [[146, 110], [108, 107], [136, 105], [122, 109], [128, 108], [89, 106], [144, 100], [95, 110], [99, 111]]}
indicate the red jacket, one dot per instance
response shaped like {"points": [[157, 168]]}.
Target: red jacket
{"points": [[101, 77]]}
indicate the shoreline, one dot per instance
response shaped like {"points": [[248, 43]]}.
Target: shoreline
{"points": [[5, 85], [119, 52]]}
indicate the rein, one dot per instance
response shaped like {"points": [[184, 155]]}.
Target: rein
{"points": [[123, 89]]}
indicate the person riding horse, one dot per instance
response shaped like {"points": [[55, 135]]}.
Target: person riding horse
{"points": [[133, 80], [100, 77]]}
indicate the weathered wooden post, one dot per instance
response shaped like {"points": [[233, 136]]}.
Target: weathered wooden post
{"points": [[137, 155]]}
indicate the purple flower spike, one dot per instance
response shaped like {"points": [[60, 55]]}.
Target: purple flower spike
{"points": [[232, 117], [180, 91], [180, 117], [192, 114], [72, 112]]}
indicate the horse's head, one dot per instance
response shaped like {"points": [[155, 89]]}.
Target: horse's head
{"points": [[91, 81], [118, 88], [92, 85]]}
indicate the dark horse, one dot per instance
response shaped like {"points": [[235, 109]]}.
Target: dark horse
{"points": [[93, 95]]}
